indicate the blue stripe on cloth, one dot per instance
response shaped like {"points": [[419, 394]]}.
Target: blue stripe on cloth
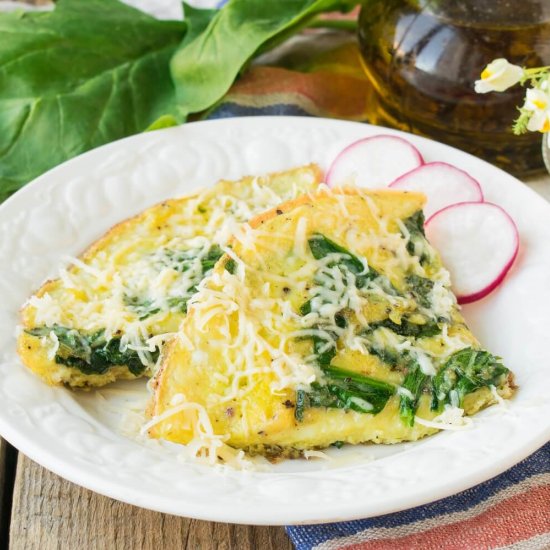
{"points": [[229, 109], [306, 537]]}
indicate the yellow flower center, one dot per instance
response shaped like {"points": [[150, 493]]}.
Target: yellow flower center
{"points": [[546, 126], [540, 103], [486, 74]]}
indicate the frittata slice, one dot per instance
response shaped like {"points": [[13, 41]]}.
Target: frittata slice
{"points": [[331, 322], [107, 316]]}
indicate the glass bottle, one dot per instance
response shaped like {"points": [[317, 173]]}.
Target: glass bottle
{"points": [[423, 57]]}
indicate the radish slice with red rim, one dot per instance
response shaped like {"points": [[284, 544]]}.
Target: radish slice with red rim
{"points": [[478, 243], [373, 162], [442, 183]]}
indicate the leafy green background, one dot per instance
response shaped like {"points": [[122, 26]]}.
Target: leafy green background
{"points": [[75, 78], [93, 71]]}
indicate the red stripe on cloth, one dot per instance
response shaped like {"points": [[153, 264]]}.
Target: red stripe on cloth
{"points": [[353, 14], [338, 95], [515, 519]]}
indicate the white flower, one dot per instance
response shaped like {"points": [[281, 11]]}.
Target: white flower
{"points": [[536, 100], [498, 76], [537, 108], [539, 121]]}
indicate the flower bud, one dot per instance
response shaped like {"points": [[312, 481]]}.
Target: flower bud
{"points": [[498, 76]]}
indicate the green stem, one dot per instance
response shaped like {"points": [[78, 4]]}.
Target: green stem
{"points": [[338, 24], [537, 70]]}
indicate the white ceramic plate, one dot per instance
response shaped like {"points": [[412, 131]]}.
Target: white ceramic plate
{"points": [[78, 436]]}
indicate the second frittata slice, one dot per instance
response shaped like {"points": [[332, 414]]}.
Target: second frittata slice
{"points": [[332, 321]]}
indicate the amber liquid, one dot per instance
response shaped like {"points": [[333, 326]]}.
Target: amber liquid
{"points": [[424, 56]]}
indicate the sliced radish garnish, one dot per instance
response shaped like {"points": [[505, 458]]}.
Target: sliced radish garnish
{"points": [[374, 162], [443, 185], [478, 243]]}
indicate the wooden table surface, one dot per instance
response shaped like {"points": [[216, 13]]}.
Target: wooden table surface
{"points": [[40, 510]]}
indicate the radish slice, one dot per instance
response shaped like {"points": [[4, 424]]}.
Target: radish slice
{"points": [[442, 183], [478, 243], [374, 162]]}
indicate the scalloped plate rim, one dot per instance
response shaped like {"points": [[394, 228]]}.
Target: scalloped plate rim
{"points": [[353, 510]]}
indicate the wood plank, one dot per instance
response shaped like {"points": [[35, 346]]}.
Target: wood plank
{"points": [[47, 510], [3, 447], [8, 461], [3, 511]]}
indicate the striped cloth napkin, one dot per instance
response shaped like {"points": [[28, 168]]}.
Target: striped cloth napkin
{"points": [[313, 77], [511, 510], [315, 74]]}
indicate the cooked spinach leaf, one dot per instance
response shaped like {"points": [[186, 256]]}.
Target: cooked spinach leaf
{"points": [[92, 353], [407, 328], [420, 288], [415, 381], [360, 381], [464, 372], [204, 68], [85, 74], [212, 256], [71, 342], [417, 244], [183, 260], [301, 404], [142, 307], [337, 396], [231, 266], [305, 308], [340, 388], [415, 223], [179, 303], [324, 349], [322, 247], [343, 389], [324, 345], [387, 355]]}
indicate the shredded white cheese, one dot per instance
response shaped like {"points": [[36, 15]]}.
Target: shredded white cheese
{"points": [[55, 345], [452, 418], [316, 454]]}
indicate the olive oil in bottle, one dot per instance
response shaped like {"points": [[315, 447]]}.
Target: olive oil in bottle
{"points": [[423, 57]]}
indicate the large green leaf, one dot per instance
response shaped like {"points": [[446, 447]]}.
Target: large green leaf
{"points": [[204, 68], [90, 72]]}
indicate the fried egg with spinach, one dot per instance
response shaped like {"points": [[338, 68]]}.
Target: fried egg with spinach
{"points": [[331, 322], [108, 315]]}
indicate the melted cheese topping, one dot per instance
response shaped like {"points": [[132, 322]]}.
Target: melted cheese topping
{"points": [[247, 334], [223, 301]]}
